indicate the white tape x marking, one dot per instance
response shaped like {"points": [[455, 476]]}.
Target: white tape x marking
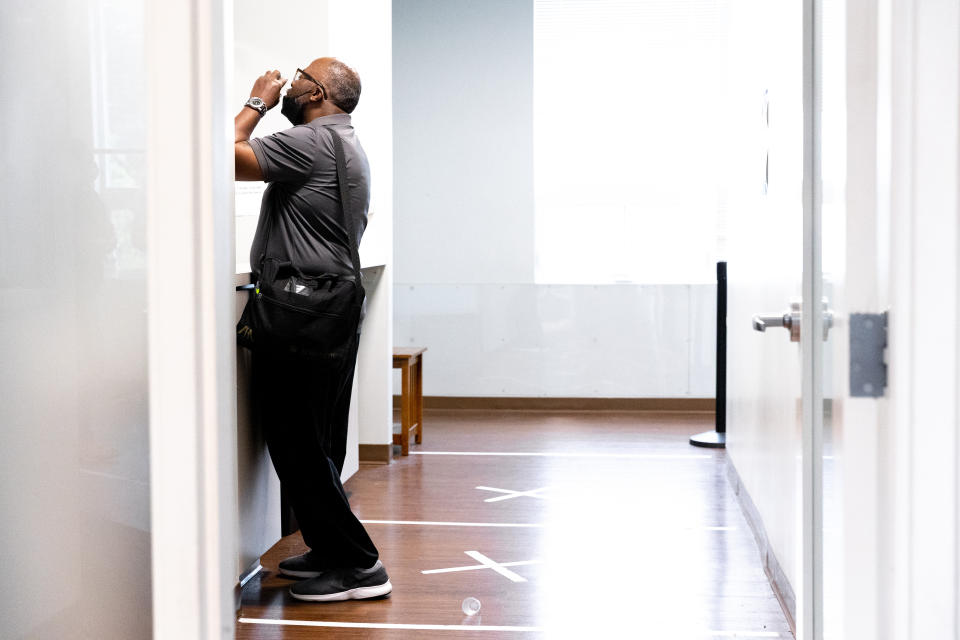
{"points": [[533, 493], [487, 563]]}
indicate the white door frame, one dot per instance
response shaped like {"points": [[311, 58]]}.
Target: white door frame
{"points": [[918, 224], [810, 593], [190, 237], [920, 131], [916, 57]]}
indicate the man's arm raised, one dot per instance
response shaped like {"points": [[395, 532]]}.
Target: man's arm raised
{"points": [[267, 88]]}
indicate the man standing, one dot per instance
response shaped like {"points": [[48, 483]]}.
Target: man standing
{"points": [[303, 406]]}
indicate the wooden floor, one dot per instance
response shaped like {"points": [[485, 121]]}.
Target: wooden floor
{"points": [[618, 528]]}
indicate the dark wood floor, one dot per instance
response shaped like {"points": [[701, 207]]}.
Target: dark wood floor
{"points": [[626, 532]]}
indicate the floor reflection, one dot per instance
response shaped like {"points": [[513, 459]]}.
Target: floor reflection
{"points": [[609, 546]]}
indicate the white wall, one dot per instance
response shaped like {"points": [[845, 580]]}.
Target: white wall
{"points": [[463, 108], [464, 241]]}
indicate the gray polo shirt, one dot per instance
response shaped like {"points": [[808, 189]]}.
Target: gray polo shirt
{"points": [[302, 202]]}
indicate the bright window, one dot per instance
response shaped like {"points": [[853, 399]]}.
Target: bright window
{"points": [[628, 99]]}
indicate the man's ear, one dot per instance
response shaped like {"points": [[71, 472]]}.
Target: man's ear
{"points": [[317, 95]]}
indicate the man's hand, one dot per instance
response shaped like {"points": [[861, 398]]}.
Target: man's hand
{"points": [[267, 88]]}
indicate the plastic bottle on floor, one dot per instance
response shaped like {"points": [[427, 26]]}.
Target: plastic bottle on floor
{"points": [[470, 606]]}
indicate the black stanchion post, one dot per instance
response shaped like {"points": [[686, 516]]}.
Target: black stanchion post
{"points": [[717, 438]]}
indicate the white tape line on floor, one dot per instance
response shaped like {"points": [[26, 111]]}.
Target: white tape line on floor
{"points": [[466, 627], [560, 454]]}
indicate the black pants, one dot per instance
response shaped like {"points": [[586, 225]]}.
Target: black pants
{"points": [[303, 411]]}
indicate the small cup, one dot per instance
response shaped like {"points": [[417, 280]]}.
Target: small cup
{"points": [[471, 606]]}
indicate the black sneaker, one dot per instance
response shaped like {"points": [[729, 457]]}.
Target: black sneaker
{"points": [[345, 584], [302, 566]]}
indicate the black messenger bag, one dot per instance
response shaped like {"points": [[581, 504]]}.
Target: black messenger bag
{"points": [[296, 315]]}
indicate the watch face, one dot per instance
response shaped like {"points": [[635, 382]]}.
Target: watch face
{"points": [[258, 104]]}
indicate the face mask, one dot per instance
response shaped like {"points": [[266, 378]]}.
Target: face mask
{"points": [[292, 109]]}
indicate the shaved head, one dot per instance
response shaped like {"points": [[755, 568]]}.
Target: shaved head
{"points": [[341, 82]]}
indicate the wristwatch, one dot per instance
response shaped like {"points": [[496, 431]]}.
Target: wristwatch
{"points": [[258, 104]]}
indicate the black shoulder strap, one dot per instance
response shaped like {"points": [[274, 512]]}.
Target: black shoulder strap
{"points": [[348, 222]]}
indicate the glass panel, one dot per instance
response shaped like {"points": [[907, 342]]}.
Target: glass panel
{"points": [[74, 497]]}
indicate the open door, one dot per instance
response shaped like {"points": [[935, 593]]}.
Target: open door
{"points": [[845, 445], [803, 448], [765, 256]]}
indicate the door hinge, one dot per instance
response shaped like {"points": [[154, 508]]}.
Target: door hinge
{"points": [[868, 354]]}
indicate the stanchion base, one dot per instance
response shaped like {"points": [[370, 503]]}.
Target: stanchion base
{"points": [[710, 439]]}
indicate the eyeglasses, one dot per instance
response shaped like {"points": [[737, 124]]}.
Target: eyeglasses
{"points": [[303, 74]]}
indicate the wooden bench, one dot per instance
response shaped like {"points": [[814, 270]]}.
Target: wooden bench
{"points": [[410, 361]]}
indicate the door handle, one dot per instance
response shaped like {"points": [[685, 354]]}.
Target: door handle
{"points": [[760, 323], [791, 321]]}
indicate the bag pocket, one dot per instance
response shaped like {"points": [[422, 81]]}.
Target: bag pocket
{"points": [[301, 315]]}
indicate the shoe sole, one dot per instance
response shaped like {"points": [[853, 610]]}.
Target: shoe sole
{"points": [[360, 593], [300, 574]]}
